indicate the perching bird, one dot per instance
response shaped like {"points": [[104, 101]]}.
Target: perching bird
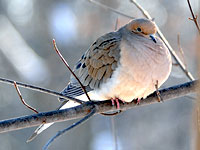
{"points": [[126, 65]]}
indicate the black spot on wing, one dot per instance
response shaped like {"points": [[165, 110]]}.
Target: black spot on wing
{"points": [[73, 91], [94, 43], [82, 56], [83, 66], [78, 66], [106, 42]]}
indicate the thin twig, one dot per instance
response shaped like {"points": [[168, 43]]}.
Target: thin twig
{"points": [[101, 106], [110, 8], [194, 18], [39, 89], [59, 133], [177, 59], [197, 123], [116, 24], [181, 50], [157, 92], [66, 64], [175, 64], [22, 100]]}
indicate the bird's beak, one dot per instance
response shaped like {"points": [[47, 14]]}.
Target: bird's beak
{"points": [[153, 38]]}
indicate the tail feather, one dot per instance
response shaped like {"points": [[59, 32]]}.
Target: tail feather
{"points": [[42, 127]]}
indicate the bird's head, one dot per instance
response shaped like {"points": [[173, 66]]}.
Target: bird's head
{"points": [[144, 27]]}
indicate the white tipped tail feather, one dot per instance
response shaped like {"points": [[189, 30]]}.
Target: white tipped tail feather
{"points": [[64, 105], [43, 127]]}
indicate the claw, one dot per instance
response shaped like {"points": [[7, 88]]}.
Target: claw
{"points": [[115, 100], [138, 101]]}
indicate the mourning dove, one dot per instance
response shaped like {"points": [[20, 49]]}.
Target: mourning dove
{"points": [[124, 65]]}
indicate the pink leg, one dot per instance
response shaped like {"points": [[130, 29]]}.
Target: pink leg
{"points": [[138, 101], [117, 102], [113, 101]]}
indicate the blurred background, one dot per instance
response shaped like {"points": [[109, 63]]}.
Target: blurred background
{"points": [[26, 54]]}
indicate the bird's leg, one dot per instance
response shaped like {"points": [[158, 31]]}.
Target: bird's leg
{"points": [[117, 102], [113, 101], [113, 104], [157, 92], [138, 101]]}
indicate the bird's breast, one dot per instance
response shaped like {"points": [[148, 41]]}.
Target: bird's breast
{"points": [[138, 70]]}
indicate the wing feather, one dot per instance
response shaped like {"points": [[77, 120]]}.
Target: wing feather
{"points": [[96, 65]]}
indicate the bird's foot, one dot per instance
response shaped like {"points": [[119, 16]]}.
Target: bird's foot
{"points": [[138, 101], [116, 100]]}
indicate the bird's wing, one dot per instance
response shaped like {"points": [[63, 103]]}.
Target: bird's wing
{"points": [[93, 69], [96, 65]]}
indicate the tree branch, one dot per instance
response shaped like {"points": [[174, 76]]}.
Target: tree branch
{"points": [[68, 67], [39, 89], [194, 18], [59, 133], [100, 106], [110, 8], [22, 100]]}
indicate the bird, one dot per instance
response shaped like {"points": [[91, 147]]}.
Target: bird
{"points": [[125, 64]]}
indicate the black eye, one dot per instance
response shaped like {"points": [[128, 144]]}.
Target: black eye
{"points": [[139, 29]]}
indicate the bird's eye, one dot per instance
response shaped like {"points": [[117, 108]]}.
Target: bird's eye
{"points": [[139, 29]]}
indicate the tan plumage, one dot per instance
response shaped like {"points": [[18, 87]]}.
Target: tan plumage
{"points": [[98, 63], [125, 64]]}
